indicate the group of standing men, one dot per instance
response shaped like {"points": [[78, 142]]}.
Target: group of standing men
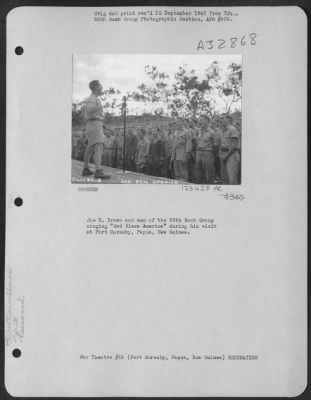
{"points": [[202, 151]]}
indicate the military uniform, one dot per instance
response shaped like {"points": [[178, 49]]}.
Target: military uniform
{"points": [[230, 157], [162, 157], [120, 150], [130, 151], [217, 162], [81, 146], [157, 155], [191, 158], [74, 148], [182, 145], [142, 154], [108, 151], [168, 152], [205, 156], [115, 152], [94, 130]]}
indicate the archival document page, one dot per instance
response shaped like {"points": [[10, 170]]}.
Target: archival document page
{"points": [[156, 201]]}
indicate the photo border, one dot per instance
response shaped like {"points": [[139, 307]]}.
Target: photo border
{"points": [[5, 7]]}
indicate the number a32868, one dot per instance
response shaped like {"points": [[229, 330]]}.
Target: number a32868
{"points": [[231, 43]]}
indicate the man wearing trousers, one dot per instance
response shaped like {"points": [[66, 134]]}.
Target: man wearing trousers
{"points": [[230, 154], [181, 151], [94, 130], [205, 155]]}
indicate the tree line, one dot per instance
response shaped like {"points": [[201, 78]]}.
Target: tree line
{"points": [[187, 96]]}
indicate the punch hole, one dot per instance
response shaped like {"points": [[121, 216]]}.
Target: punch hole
{"points": [[16, 353], [19, 50], [18, 201]]}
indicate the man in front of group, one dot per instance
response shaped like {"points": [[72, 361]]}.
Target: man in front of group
{"points": [[94, 129]]}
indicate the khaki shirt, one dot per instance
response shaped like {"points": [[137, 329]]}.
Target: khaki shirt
{"points": [[207, 141], [182, 144], [227, 144], [93, 108], [142, 151], [108, 142], [229, 134]]}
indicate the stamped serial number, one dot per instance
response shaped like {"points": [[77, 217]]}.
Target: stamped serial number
{"points": [[232, 42]]}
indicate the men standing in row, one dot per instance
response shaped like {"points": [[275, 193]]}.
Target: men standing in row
{"points": [[94, 130], [203, 152]]}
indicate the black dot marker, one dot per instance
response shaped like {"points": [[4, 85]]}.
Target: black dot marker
{"points": [[18, 201], [16, 353], [19, 50]]}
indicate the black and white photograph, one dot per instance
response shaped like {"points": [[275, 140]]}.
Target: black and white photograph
{"points": [[146, 254], [157, 118]]}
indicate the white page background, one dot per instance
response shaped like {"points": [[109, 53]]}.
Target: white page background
{"points": [[241, 289]]}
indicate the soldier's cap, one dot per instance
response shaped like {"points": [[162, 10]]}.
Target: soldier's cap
{"points": [[93, 84]]}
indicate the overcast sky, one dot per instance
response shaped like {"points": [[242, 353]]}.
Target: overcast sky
{"points": [[126, 71]]}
